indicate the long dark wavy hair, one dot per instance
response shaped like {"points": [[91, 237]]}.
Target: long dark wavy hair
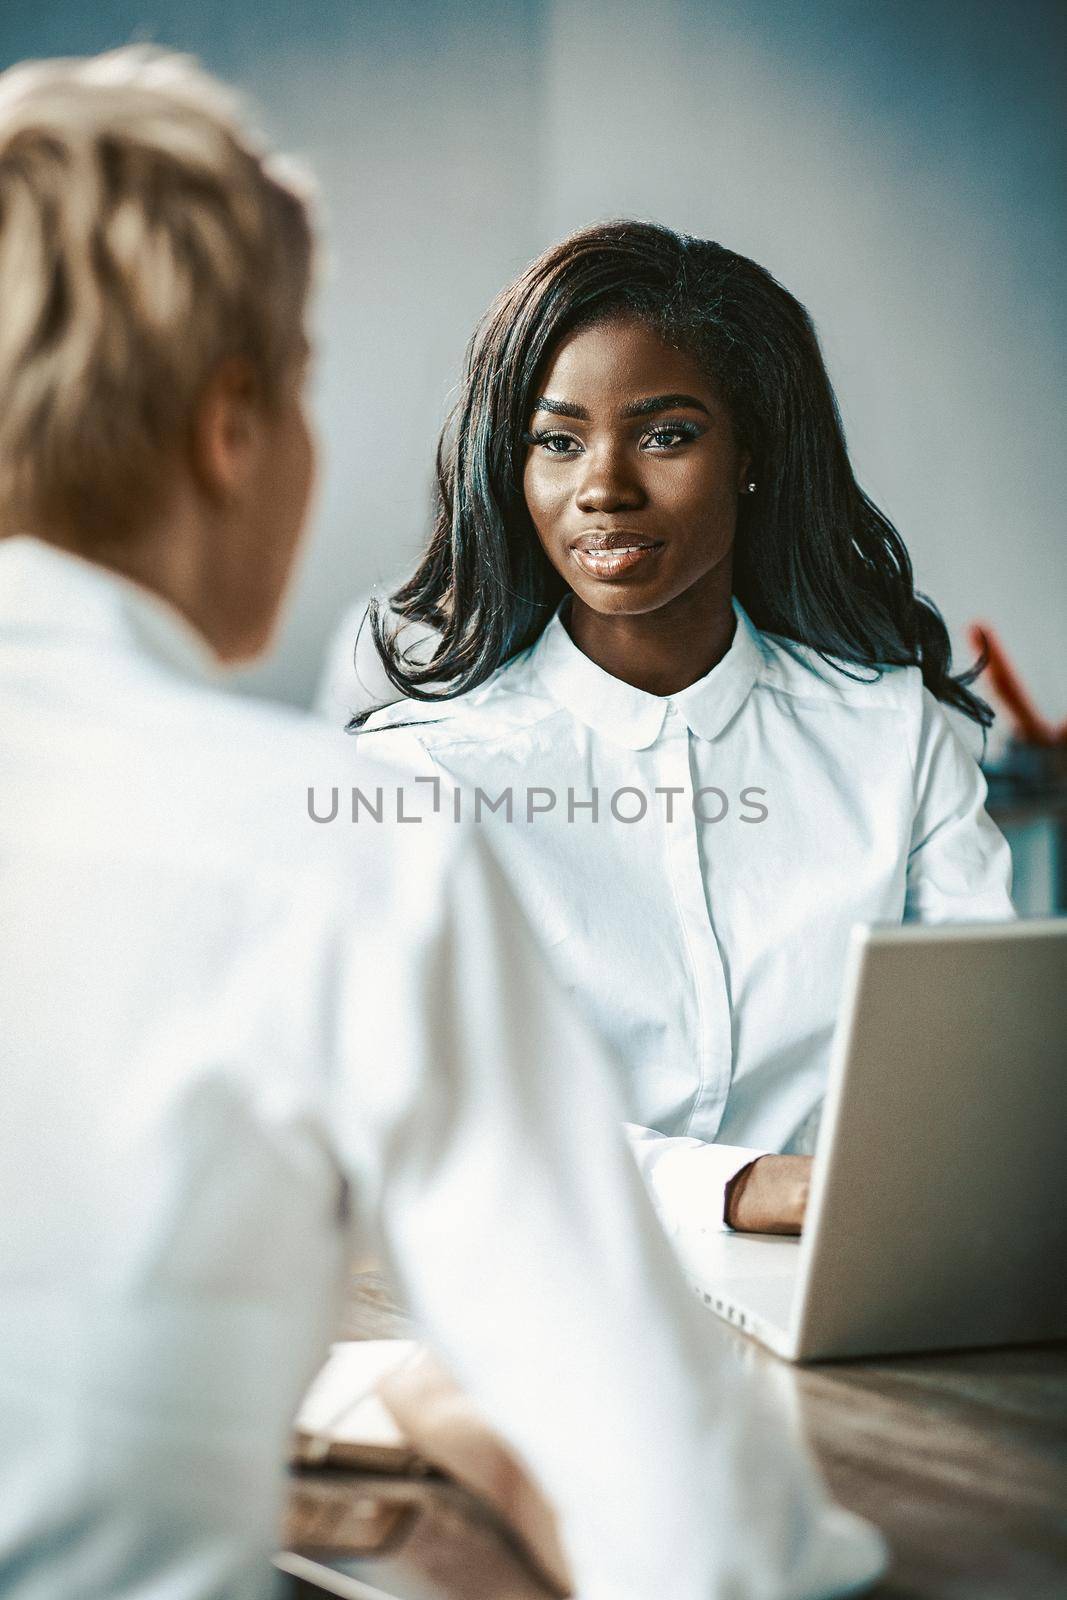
{"points": [[815, 560]]}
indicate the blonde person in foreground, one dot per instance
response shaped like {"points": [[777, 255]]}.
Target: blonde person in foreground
{"points": [[235, 1044]]}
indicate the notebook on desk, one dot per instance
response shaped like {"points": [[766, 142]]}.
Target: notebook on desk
{"points": [[343, 1423]]}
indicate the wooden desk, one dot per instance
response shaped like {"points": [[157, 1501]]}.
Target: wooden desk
{"points": [[960, 1459]]}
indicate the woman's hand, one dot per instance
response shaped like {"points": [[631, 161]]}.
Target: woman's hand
{"points": [[770, 1195], [447, 1429]]}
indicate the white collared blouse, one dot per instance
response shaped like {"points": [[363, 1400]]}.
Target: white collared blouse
{"points": [[695, 863]]}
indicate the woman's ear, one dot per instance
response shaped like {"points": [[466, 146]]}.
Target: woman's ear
{"points": [[226, 437]]}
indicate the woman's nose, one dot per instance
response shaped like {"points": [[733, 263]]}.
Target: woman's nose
{"points": [[609, 483]]}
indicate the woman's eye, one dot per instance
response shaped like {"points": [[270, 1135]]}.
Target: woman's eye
{"points": [[556, 444], [667, 438]]}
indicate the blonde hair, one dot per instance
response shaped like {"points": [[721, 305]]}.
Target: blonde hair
{"points": [[144, 237]]}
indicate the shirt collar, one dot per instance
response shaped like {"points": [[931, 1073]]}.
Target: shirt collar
{"points": [[45, 590], [631, 717]]}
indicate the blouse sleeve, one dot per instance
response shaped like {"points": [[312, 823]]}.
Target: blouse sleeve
{"points": [[959, 862], [687, 1178]]}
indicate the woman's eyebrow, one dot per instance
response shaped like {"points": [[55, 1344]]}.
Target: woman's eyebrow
{"points": [[561, 408], [665, 402], [639, 408]]}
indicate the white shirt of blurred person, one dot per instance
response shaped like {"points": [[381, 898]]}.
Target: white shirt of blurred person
{"points": [[238, 1044]]}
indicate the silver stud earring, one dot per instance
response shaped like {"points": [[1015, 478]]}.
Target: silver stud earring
{"points": [[750, 488]]}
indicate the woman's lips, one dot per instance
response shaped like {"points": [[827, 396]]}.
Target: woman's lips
{"points": [[616, 561]]}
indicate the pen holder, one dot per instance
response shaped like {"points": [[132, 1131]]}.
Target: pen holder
{"points": [[1031, 772]]}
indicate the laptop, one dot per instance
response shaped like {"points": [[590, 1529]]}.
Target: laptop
{"points": [[938, 1210]]}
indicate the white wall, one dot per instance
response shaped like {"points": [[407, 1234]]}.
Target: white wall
{"points": [[419, 129], [899, 166]]}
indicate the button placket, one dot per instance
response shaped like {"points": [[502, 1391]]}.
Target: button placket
{"points": [[714, 1045]]}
